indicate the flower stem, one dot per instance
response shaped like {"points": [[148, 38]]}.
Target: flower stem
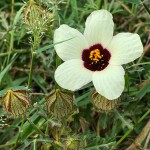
{"points": [[31, 70], [130, 130], [34, 46], [12, 11]]}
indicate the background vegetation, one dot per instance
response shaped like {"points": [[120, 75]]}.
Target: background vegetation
{"points": [[28, 62]]}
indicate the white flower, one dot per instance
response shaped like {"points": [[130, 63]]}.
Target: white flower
{"points": [[96, 55]]}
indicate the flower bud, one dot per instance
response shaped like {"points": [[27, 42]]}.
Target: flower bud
{"points": [[103, 103], [72, 144], [15, 102], [59, 103]]}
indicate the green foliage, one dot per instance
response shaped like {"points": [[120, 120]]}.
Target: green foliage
{"points": [[132, 1], [31, 40]]}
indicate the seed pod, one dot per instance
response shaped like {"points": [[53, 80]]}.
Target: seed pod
{"points": [[59, 103], [15, 102], [36, 17], [103, 103], [31, 13], [72, 144]]}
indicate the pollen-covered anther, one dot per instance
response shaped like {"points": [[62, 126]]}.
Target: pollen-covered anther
{"points": [[96, 58], [95, 55]]}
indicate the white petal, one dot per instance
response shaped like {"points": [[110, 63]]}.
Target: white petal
{"points": [[99, 28], [72, 75], [74, 43], [110, 81], [125, 47]]}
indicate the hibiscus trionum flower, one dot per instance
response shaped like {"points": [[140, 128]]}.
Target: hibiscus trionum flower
{"points": [[96, 55]]}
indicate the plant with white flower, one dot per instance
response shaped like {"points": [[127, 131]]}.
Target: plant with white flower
{"points": [[96, 55]]}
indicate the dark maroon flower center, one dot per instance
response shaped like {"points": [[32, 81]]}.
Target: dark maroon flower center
{"points": [[96, 58]]}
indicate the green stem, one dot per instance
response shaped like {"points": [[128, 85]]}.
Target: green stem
{"points": [[34, 144], [47, 129], [11, 33], [12, 11], [34, 46], [130, 130], [31, 70], [66, 9]]}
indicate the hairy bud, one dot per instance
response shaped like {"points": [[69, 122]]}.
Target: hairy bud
{"points": [[103, 103]]}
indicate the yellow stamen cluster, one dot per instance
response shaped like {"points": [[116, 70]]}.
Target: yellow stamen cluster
{"points": [[95, 55]]}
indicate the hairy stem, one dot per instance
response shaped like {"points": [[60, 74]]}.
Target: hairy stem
{"points": [[31, 70], [35, 44]]}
